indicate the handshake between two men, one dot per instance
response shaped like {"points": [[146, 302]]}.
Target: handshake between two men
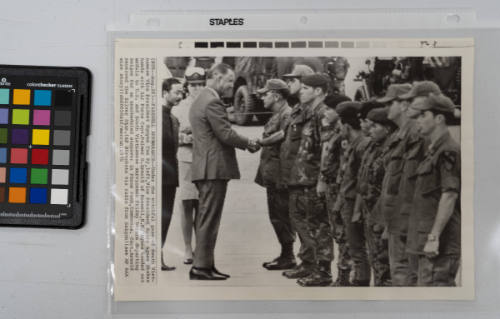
{"points": [[254, 145]]}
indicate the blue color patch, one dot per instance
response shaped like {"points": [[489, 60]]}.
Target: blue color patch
{"points": [[43, 98], [3, 155], [4, 116], [38, 195], [18, 175], [4, 96]]}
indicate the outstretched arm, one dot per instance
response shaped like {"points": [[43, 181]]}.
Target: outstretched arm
{"points": [[273, 138], [217, 117]]}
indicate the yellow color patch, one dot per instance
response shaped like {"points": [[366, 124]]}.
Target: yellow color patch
{"points": [[41, 137], [21, 97]]}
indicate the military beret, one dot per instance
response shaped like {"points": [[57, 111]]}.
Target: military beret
{"points": [[348, 109], [393, 91], [436, 102], [367, 106], [273, 84], [315, 80], [423, 88], [379, 115], [334, 100]]}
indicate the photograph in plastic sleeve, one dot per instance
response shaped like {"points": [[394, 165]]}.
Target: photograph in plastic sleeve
{"points": [[293, 174]]}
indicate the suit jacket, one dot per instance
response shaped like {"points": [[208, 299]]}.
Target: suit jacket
{"points": [[170, 144], [214, 140]]}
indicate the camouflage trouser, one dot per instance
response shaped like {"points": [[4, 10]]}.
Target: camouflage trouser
{"points": [[438, 271], [357, 242], [338, 229], [277, 202], [403, 265], [378, 254], [310, 220]]}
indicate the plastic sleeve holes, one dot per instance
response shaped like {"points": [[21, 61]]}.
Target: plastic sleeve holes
{"points": [[453, 18]]}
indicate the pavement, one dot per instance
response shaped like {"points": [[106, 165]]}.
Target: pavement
{"points": [[246, 238]]}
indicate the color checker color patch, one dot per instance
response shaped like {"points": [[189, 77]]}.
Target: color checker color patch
{"points": [[43, 130]]}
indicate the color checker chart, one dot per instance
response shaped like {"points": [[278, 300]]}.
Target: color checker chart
{"points": [[43, 130]]}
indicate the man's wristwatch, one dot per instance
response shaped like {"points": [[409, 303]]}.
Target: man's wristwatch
{"points": [[432, 237]]}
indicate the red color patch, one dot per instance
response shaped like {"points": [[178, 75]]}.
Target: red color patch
{"points": [[39, 156]]}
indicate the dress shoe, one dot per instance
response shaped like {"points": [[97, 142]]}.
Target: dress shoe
{"points": [[188, 261], [204, 274], [280, 264], [298, 272], [164, 267], [217, 272]]}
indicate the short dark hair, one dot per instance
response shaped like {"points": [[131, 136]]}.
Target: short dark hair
{"points": [[323, 88], [283, 92], [168, 83], [221, 68], [352, 121], [448, 117]]}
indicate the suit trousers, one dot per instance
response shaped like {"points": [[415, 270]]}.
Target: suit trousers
{"points": [[211, 202], [167, 208]]}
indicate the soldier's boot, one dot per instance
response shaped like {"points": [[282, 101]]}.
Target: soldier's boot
{"points": [[343, 278], [322, 277], [300, 271], [285, 261], [362, 275]]}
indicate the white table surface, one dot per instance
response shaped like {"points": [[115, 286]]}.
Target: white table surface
{"points": [[63, 273]]}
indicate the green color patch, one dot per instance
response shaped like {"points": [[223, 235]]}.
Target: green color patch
{"points": [[39, 176], [3, 135], [20, 117]]}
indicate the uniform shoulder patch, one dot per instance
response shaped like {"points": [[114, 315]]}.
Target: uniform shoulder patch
{"points": [[449, 159]]}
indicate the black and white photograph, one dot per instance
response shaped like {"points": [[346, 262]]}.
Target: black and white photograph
{"points": [[360, 180], [295, 172]]}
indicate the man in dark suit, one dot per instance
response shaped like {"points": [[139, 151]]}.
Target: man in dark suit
{"points": [[214, 164], [172, 94]]}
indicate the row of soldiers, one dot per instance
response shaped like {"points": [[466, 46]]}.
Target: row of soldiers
{"points": [[381, 179]]}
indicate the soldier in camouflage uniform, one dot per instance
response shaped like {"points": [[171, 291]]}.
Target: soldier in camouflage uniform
{"points": [[269, 173], [406, 151], [434, 225], [351, 130], [331, 165], [293, 80], [288, 154], [305, 178], [370, 179]]}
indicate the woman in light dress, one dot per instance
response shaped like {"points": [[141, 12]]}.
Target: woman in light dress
{"points": [[187, 192]]}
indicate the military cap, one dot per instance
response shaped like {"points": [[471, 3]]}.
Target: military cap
{"points": [[299, 71], [315, 80], [393, 91], [273, 84], [367, 106], [436, 102], [423, 88], [379, 115], [195, 75], [348, 109]]}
